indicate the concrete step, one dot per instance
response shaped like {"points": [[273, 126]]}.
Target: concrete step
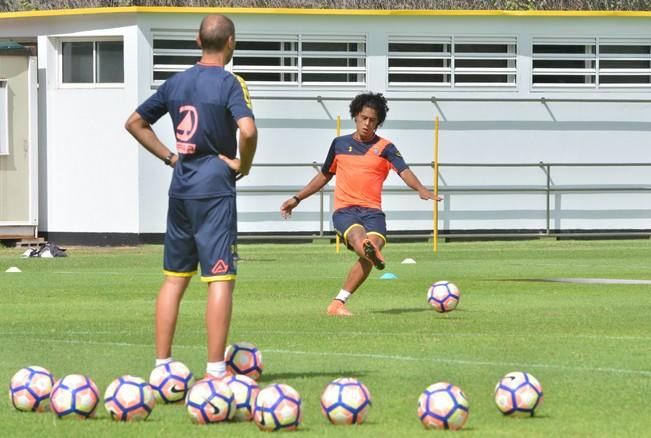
{"points": [[31, 242]]}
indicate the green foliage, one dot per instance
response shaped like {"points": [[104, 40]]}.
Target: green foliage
{"points": [[588, 344], [606, 5]]}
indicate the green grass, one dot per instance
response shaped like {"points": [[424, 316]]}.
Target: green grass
{"points": [[588, 344]]}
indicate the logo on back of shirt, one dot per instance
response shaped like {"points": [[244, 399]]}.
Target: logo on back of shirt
{"points": [[186, 129]]}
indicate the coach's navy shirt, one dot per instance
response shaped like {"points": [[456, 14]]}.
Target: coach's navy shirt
{"points": [[204, 102]]}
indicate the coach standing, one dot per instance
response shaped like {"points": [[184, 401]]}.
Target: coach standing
{"points": [[207, 104]]}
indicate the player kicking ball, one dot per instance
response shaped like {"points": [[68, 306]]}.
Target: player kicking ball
{"points": [[362, 161]]}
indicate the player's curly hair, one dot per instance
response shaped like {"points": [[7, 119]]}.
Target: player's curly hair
{"points": [[372, 100]]}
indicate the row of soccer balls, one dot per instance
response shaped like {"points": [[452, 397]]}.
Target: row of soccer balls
{"points": [[238, 397]]}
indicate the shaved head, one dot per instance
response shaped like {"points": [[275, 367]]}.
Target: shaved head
{"points": [[214, 32]]}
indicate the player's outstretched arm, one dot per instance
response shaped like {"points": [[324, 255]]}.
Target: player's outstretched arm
{"points": [[316, 184], [413, 182]]}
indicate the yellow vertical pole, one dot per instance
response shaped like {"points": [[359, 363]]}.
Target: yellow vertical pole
{"points": [[338, 134], [436, 185]]}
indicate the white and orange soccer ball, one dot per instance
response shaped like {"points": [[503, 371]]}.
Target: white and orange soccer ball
{"points": [[171, 381], [245, 390], [518, 394], [74, 396], [30, 389], [210, 401], [244, 358], [278, 407], [129, 398], [443, 296], [346, 401], [443, 406]]}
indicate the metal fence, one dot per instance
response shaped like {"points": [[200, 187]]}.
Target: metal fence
{"points": [[548, 188]]}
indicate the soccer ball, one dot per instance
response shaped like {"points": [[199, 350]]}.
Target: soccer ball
{"points": [[30, 389], [443, 406], [518, 394], [129, 398], [278, 407], [171, 381], [443, 296], [346, 401], [210, 401], [244, 358], [245, 390], [74, 396]]}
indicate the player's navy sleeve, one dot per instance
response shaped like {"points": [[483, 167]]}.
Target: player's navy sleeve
{"points": [[392, 154], [329, 167], [239, 100], [155, 107]]}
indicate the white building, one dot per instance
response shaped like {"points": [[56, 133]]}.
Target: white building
{"points": [[509, 88]]}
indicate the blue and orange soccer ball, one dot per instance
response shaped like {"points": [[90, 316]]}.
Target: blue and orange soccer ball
{"points": [[443, 406], [171, 381], [244, 358], [129, 398], [443, 296], [30, 389], [245, 390], [518, 394], [278, 407], [74, 396], [210, 401], [346, 401]]}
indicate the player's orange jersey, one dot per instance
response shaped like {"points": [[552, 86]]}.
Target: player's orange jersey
{"points": [[361, 169]]}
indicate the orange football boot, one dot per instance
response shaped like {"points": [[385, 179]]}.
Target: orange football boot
{"points": [[337, 308]]}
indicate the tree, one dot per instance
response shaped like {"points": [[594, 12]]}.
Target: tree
{"points": [[509, 5]]}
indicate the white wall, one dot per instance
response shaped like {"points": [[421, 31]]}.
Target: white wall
{"points": [[99, 180]]}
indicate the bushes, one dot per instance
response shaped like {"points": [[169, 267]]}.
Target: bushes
{"points": [[581, 5]]}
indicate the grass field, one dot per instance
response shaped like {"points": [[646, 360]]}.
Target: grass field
{"points": [[588, 344]]}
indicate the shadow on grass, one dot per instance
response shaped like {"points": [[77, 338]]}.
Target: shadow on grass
{"points": [[275, 377], [401, 311], [578, 280]]}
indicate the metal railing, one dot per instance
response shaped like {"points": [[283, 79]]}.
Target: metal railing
{"points": [[548, 188], [434, 99]]}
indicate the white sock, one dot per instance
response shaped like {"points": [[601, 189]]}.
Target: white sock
{"points": [[217, 369], [163, 361], [343, 295]]}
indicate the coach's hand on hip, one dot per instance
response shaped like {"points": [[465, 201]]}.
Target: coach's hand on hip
{"points": [[233, 163]]}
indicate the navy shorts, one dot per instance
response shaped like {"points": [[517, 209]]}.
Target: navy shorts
{"points": [[373, 220], [201, 231]]}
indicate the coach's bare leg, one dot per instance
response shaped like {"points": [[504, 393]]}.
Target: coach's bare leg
{"points": [[167, 311], [218, 317]]}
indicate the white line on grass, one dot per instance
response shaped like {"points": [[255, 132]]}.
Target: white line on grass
{"points": [[103, 273], [453, 335], [400, 358], [358, 333], [463, 362]]}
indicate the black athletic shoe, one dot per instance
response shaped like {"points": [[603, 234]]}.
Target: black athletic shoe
{"points": [[373, 254]]}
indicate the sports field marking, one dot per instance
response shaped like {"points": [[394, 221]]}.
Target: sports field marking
{"points": [[464, 362], [620, 371], [586, 280], [101, 273], [357, 333]]}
